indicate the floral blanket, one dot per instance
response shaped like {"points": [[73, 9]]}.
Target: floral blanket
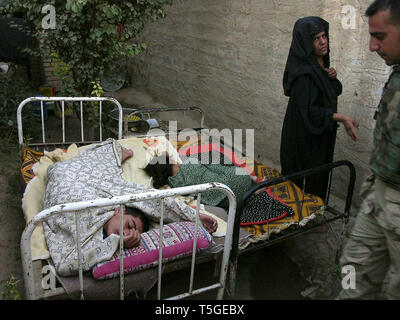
{"points": [[94, 173]]}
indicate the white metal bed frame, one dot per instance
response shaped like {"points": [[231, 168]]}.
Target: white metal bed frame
{"points": [[72, 208], [43, 100]]}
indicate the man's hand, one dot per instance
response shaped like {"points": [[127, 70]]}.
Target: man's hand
{"points": [[131, 238], [209, 223], [331, 73]]}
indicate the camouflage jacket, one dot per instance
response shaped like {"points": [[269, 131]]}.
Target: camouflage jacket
{"points": [[385, 159]]}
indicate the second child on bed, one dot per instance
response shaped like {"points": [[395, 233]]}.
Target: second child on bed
{"points": [[166, 172]]}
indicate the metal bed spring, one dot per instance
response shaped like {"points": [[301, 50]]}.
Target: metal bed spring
{"points": [[298, 231], [72, 208], [62, 100]]}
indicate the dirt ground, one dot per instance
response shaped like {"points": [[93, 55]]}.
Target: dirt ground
{"points": [[11, 220]]}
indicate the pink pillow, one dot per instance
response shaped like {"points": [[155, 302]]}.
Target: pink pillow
{"points": [[177, 243]]}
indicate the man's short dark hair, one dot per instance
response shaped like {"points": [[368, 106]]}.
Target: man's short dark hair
{"points": [[379, 5], [138, 214]]}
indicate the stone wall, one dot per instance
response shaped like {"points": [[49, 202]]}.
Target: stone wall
{"points": [[228, 57]]}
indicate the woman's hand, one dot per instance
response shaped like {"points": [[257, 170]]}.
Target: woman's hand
{"points": [[349, 124], [209, 223], [331, 73]]}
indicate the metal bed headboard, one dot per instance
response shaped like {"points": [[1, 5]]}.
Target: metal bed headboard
{"points": [[72, 208], [62, 100], [151, 110]]}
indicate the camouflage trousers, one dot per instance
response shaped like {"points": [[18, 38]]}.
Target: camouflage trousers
{"points": [[373, 248]]}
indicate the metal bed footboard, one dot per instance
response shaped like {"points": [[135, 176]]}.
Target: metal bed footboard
{"points": [[336, 214], [72, 208]]}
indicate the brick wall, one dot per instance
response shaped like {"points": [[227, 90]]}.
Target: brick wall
{"points": [[50, 79]]}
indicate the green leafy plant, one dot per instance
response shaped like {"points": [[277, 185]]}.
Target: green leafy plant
{"points": [[90, 36], [97, 90], [10, 292], [13, 90], [61, 70]]}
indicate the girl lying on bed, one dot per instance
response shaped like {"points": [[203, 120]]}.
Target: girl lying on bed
{"points": [[91, 174], [166, 172], [135, 223]]}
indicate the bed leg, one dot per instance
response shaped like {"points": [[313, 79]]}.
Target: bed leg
{"points": [[232, 278], [218, 262], [140, 295]]}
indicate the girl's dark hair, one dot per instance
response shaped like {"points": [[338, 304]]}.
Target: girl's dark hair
{"points": [[159, 169]]}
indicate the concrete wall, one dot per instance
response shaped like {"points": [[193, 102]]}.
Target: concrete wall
{"points": [[228, 57]]}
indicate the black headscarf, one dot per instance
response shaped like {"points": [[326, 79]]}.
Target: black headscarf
{"points": [[301, 59]]}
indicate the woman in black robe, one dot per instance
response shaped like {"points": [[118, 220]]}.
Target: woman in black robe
{"points": [[310, 124]]}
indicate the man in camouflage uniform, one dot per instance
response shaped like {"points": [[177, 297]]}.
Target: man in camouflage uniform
{"points": [[373, 249]]}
